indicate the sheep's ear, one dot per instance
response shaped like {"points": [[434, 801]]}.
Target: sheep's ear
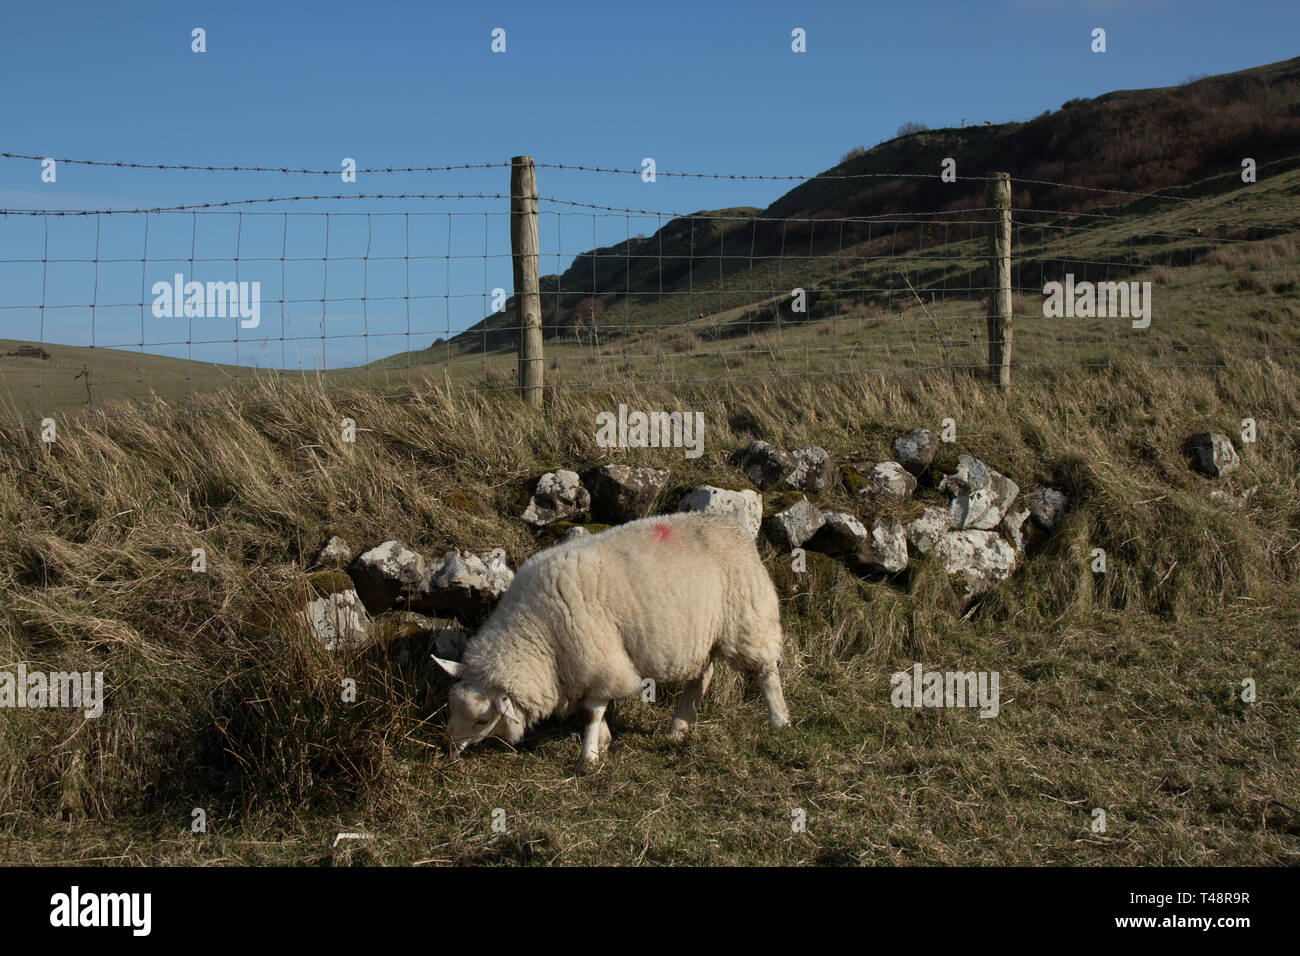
{"points": [[454, 668], [505, 706]]}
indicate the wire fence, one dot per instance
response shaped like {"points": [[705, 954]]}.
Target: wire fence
{"points": [[188, 306]]}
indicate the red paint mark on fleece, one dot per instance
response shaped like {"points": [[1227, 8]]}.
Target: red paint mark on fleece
{"points": [[662, 532]]}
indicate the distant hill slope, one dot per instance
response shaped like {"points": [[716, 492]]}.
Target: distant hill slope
{"points": [[1180, 139]]}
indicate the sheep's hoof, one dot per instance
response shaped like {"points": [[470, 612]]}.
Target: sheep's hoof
{"points": [[678, 731], [588, 765], [778, 722]]}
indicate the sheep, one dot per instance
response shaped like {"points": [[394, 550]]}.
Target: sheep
{"points": [[588, 620]]}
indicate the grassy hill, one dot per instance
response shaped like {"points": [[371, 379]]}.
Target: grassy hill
{"points": [[1186, 141]]}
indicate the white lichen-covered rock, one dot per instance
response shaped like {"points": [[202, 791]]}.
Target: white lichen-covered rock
{"points": [[971, 475], [339, 620], [981, 558], [888, 479], [885, 548], [386, 574], [1013, 523], [840, 533], [464, 583], [812, 470], [927, 528], [334, 553], [794, 524], [767, 465], [744, 506], [915, 450], [1212, 454], [1047, 507], [980, 495], [559, 495]]}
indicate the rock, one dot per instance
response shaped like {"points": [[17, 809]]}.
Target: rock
{"points": [[853, 473], [840, 533], [981, 558], [334, 553], [449, 643], [888, 479], [559, 494], [464, 583], [767, 465], [385, 574], [971, 475], [984, 508], [1220, 496], [924, 531], [621, 493], [915, 450], [812, 471], [1047, 507], [393, 626], [744, 506], [885, 548], [409, 638], [577, 531], [980, 495], [790, 527], [1012, 522], [1211, 454], [339, 620]]}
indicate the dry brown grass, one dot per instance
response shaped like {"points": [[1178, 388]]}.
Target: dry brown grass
{"points": [[1119, 690]]}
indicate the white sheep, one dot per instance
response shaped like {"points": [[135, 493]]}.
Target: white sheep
{"points": [[586, 621]]}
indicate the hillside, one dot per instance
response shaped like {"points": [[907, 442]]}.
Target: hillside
{"points": [[1185, 140]]}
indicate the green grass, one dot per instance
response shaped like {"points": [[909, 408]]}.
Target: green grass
{"points": [[1119, 691]]}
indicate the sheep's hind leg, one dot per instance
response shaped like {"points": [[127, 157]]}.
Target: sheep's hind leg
{"points": [[684, 716], [778, 715], [593, 733]]}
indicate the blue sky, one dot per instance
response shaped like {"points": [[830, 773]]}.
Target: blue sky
{"points": [[702, 87]]}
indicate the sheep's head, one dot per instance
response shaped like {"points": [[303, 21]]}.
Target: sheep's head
{"points": [[477, 711]]}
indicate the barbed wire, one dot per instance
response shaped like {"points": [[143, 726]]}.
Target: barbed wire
{"points": [[620, 210], [613, 170], [377, 170], [195, 167]]}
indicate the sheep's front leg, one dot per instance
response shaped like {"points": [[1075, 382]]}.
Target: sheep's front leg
{"points": [[592, 734], [687, 707]]}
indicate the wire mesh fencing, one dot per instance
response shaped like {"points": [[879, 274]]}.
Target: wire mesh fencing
{"points": [[220, 302]]}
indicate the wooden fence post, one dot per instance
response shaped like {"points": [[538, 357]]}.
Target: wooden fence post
{"points": [[998, 194], [528, 299]]}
